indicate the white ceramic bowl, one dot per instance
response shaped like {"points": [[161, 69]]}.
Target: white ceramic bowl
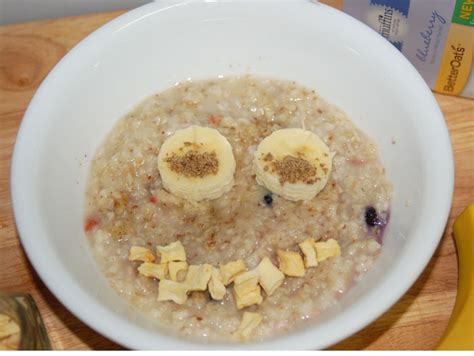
{"points": [[152, 47]]}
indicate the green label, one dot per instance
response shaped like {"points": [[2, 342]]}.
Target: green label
{"points": [[464, 12]]}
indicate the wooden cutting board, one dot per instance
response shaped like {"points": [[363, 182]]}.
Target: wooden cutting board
{"points": [[28, 52]]}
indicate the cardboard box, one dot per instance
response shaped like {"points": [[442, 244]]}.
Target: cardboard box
{"points": [[437, 36]]}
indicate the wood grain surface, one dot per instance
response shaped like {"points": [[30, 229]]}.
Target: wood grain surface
{"points": [[28, 52]]}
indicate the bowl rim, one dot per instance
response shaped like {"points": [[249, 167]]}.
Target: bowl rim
{"points": [[100, 318]]}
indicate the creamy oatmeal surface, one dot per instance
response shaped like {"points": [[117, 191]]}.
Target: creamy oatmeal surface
{"points": [[126, 204]]}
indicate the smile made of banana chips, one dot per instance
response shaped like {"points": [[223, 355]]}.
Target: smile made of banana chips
{"points": [[177, 279], [197, 163]]}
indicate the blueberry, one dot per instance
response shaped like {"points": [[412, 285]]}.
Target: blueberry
{"points": [[371, 217], [268, 199]]}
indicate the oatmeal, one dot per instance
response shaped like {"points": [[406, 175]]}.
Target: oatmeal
{"points": [[248, 228]]}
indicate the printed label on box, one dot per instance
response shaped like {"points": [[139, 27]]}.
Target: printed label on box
{"points": [[437, 36]]}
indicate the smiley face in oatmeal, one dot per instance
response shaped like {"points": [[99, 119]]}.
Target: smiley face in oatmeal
{"points": [[252, 205]]}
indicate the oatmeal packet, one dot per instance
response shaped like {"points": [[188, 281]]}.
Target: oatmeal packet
{"points": [[437, 36]]}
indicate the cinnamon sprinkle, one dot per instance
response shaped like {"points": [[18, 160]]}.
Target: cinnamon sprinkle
{"points": [[268, 157], [295, 169], [194, 164]]}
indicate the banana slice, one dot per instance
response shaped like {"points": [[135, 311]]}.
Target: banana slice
{"points": [[293, 163], [197, 163]]}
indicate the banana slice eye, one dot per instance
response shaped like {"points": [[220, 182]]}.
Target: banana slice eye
{"points": [[197, 163], [293, 163]]}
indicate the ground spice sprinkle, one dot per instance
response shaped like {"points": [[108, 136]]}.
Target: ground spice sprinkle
{"points": [[194, 164], [295, 169]]}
